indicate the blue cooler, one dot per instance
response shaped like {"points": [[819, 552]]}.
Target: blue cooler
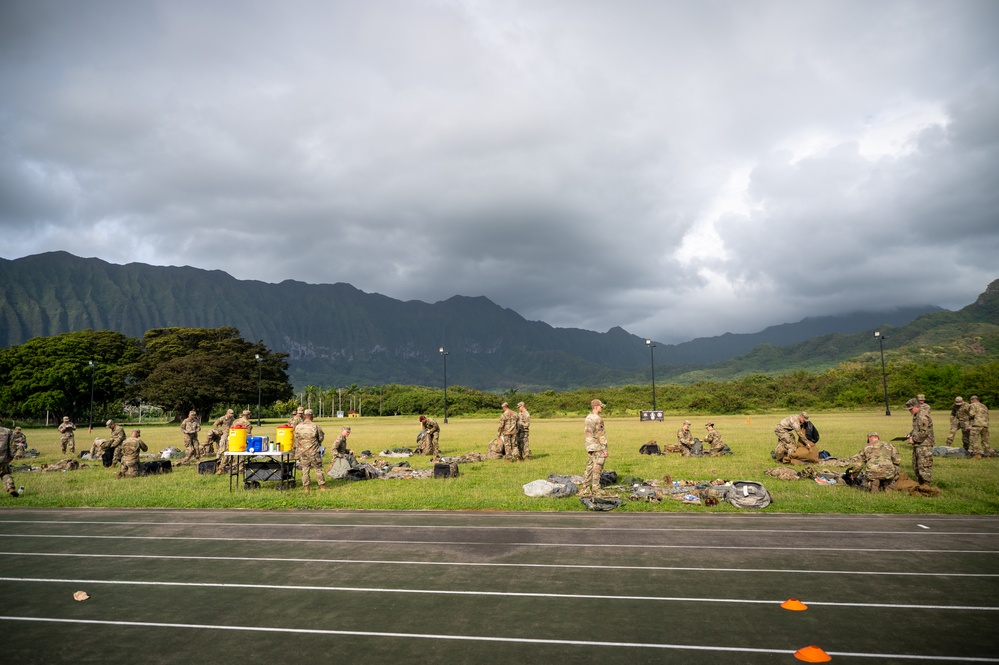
{"points": [[254, 444]]}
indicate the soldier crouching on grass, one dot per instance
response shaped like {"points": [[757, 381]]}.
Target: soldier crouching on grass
{"points": [[881, 464], [6, 456], [130, 449]]}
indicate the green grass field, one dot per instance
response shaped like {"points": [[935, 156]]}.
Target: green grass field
{"points": [[967, 486]]}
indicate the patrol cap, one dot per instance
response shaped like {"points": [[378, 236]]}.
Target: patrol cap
{"points": [[346, 428], [958, 400], [804, 414], [912, 403], [596, 402], [307, 412], [246, 412], [230, 411], [109, 423], [17, 429], [504, 404], [520, 404], [921, 398], [974, 398], [873, 434], [709, 424], [65, 419], [300, 410], [686, 422], [193, 413]]}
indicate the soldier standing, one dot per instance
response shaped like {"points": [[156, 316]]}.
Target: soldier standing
{"points": [[190, 427], [223, 424], [19, 443], [130, 449], [685, 439], [595, 439], [507, 432], [978, 428], [297, 417], [308, 437], [431, 437], [101, 446], [790, 437], [959, 421], [881, 464], [6, 456], [244, 422], [923, 406], [922, 442], [523, 431], [714, 441], [66, 437]]}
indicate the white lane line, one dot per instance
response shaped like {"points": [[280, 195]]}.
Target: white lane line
{"points": [[501, 594], [458, 564], [504, 527], [452, 543], [484, 638]]}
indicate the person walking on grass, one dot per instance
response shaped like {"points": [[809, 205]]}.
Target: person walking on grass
{"points": [[595, 439]]}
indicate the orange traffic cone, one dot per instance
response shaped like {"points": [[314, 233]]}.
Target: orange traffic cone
{"points": [[794, 604], [812, 654], [747, 421]]}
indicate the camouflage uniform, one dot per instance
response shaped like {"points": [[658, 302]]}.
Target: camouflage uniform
{"points": [[225, 465], [685, 439], [113, 443], [508, 433], [6, 456], [66, 437], [19, 443], [224, 424], [190, 427], [922, 441], [959, 421], [524, 431], [596, 449], [714, 440], [308, 436], [297, 418], [790, 437], [978, 428], [881, 463], [130, 450], [923, 406], [431, 437]]}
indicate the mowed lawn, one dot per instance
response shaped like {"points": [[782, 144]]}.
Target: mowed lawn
{"points": [[967, 486]]}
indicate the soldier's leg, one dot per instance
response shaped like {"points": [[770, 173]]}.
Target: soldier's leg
{"points": [[922, 463], [587, 487], [966, 438], [952, 432], [72, 443], [62, 443], [8, 480], [598, 470], [527, 445], [986, 445], [975, 439]]}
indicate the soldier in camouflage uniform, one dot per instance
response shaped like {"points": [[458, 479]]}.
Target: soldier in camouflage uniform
{"points": [[297, 417], [190, 427], [19, 443], [714, 441], [340, 449], [223, 423], [431, 437], [66, 437], [130, 449], [596, 448], [923, 406], [308, 437], [922, 442], [6, 457], [507, 433], [881, 464], [685, 439], [523, 431], [959, 421], [790, 437], [101, 446], [978, 429]]}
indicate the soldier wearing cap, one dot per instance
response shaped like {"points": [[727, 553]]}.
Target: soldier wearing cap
{"points": [[713, 440], [225, 465], [791, 441], [921, 438], [190, 427], [507, 433], [959, 421], [6, 457], [308, 437], [101, 446], [130, 450], [297, 417], [67, 438], [523, 431], [223, 424], [430, 437], [596, 449], [881, 464], [685, 439], [340, 449], [978, 429], [923, 406]]}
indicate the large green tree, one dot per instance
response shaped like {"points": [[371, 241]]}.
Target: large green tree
{"points": [[54, 374], [198, 368]]}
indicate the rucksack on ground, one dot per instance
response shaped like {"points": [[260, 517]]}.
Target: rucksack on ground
{"points": [[748, 494]]}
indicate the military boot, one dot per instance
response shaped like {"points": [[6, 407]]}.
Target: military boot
{"points": [[306, 488]]}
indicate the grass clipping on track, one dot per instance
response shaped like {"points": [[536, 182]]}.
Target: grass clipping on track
{"points": [[968, 486]]}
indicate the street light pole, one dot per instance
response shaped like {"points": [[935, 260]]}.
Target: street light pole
{"points": [[652, 355], [445, 354], [884, 376], [260, 365], [90, 427]]}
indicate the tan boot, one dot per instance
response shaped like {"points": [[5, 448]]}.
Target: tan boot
{"points": [[306, 488]]}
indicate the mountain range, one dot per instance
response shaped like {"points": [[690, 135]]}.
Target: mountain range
{"points": [[336, 334]]}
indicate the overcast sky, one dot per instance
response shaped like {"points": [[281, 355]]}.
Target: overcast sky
{"points": [[680, 169]]}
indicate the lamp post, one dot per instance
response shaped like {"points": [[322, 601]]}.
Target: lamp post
{"points": [[260, 365], [652, 355], [90, 427], [884, 376], [444, 354]]}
